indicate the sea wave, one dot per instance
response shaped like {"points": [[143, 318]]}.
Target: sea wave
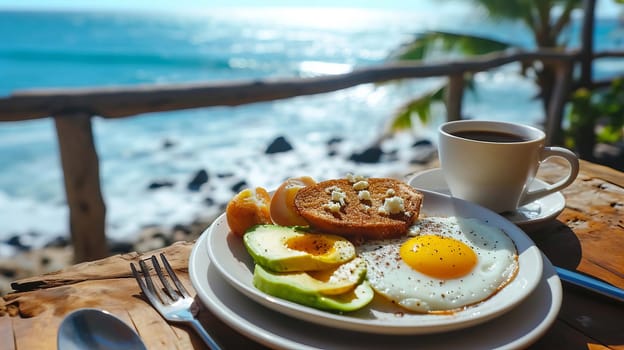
{"points": [[35, 56]]}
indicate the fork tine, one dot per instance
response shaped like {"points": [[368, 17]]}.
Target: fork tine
{"points": [[184, 310], [164, 298], [144, 288], [170, 291], [174, 277], [136, 275]]}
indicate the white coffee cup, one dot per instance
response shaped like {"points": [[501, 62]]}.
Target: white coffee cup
{"points": [[493, 163]]}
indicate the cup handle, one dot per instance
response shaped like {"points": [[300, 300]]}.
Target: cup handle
{"points": [[548, 152]]}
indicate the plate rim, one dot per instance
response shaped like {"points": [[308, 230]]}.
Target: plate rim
{"points": [[526, 248], [268, 337]]}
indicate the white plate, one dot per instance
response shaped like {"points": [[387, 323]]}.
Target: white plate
{"points": [[517, 329], [229, 257], [543, 209]]}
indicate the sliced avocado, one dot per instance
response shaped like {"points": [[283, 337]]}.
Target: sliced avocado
{"points": [[296, 287], [333, 281], [283, 249], [340, 279]]}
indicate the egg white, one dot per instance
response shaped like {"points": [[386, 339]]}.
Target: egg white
{"points": [[390, 276]]}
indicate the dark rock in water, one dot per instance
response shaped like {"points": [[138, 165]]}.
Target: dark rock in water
{"points": [[423, 142], [181, 233], [392, 156], [45, 260], [200, 178], [120, 247], [58, 242], [239, 186], [424, 151], [423, 156], [160, 183], [332, 146], [208, 201], [280, 144], [334, 140], [370, 155], [167, 143], [162, 236], [16, 242], [150, 238], [182, 228]]}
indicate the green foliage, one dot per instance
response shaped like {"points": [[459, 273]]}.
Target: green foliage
{"points": [[581, 116], [420, 107], [468, 45], [601, 111], [611, 107]]}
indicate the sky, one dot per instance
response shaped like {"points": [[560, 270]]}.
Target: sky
{"points": [[606, 7]]}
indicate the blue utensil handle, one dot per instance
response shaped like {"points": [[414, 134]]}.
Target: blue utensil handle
{"points": [[591, 283], [212, 344]]}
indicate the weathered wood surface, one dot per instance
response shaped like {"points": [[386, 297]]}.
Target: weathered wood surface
{"points": [[106, 284], [587, 236]]}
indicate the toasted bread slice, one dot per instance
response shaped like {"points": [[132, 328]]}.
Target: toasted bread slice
{"points": [[337, 206]]}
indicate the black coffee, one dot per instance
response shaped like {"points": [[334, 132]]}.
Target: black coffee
{"points": [[489, 136]]}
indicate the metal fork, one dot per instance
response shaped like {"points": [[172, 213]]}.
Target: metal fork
{"points": [[175, 305]]}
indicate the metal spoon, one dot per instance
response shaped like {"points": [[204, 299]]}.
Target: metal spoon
{"points": [[97, 330]]}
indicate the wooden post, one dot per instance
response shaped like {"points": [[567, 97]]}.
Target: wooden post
{"points": [[587, 43], [560, 95], [454, 97], [82, 186], [586, 136]]}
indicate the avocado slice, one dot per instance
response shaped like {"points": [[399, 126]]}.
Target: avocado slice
{"points": [[333, 281], [289, 249], [302, 288]]}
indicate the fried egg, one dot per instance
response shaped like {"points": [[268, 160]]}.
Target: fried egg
{"points": [[442, 265]]}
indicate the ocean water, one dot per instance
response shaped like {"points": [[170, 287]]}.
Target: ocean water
{"points": [[78, 49]]}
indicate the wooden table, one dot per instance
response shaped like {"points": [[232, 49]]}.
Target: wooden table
{"points": [[588, 236]]}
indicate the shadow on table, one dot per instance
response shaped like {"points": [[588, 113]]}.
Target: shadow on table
{"points": [[596, 319], [559, 243]]}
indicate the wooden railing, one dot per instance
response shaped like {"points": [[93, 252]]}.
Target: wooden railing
{"points": [[72, 110]]}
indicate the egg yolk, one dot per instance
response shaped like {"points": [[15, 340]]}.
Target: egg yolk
{"points": [[439, 257], [311, 244]]}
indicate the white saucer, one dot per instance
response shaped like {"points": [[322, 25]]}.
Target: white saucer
{"points": [[543, 209], [518, 328]]}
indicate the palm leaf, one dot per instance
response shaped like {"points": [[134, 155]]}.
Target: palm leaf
{"points": [[427, 43], [420, 107]]}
